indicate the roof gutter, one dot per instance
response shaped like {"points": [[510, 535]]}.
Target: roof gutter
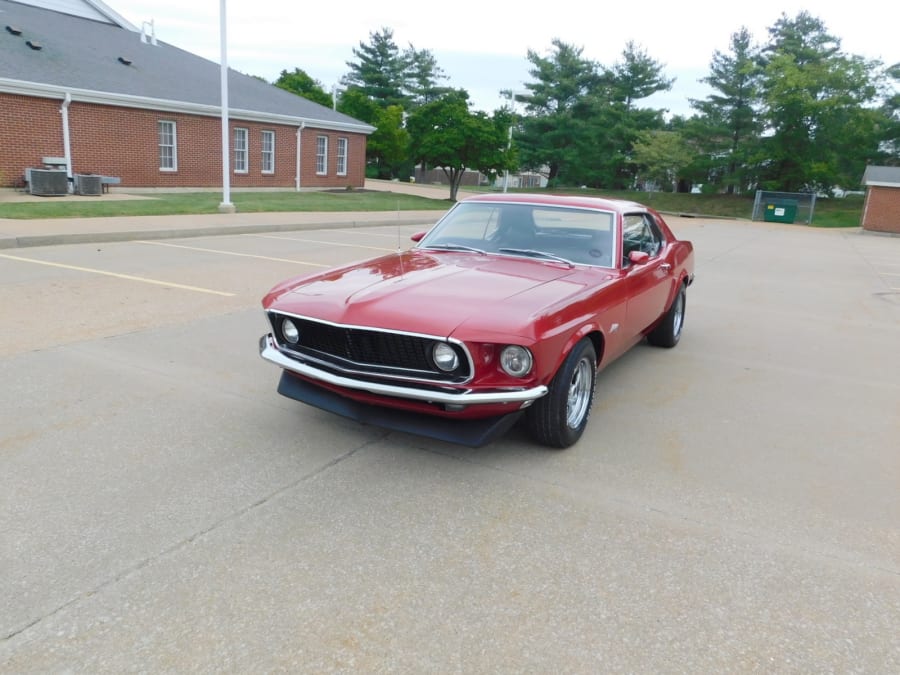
{"points": [[882, 183], [24, 88]]}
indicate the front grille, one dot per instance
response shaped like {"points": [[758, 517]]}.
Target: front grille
{"points": [[362, 350]]}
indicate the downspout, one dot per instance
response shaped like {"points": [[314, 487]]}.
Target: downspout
{"points": [[299, 146], [67, 148]]}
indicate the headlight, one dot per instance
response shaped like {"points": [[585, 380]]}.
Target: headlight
{"points": [[516, 360], [290, 331], [444, 356]]}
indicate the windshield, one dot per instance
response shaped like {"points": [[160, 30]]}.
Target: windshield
{"points": [[578, 235]]}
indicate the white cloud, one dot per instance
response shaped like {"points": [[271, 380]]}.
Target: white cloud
{"points": [[483, 46]]}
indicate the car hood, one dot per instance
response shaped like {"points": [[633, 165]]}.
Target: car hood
{"points": [[435, 293]]}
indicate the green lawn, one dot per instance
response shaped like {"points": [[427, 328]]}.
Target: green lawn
{"points": [[174, 203], [845, 212], [828, 212]]}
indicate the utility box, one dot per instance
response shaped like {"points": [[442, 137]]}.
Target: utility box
{"points": [[88, 184], [780, 211], [47, 182]]}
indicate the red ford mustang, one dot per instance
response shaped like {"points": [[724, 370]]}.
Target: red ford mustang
{"points": [[506, 309]]}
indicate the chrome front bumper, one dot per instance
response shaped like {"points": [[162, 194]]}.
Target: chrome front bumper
{"points": [[270, 352]]}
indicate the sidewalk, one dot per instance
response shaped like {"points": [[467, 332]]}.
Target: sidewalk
{"points": [[18, 233]]}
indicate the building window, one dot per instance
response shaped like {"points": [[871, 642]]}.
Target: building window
{"points": [[268, 152], [240, 150], [322, 155], [168, 146], [342, 157]]}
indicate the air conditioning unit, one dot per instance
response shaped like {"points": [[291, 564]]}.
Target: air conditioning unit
{"points": [[88, 184], [48, 182]]}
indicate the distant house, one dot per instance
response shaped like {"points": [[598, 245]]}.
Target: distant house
{"points": [[80, 84], [881, 212]]}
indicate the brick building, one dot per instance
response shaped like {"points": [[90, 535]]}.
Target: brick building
{"points": [[881, 212], [80, 83]]}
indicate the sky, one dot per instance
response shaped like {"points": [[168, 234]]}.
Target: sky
{"points": [[482, 46]]}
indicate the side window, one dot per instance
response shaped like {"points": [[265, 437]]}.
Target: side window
{"points": [[321, 155], [342, 157], [268, 151], [240, 150], [640, 233], [168, 145], [632, 234], [654, 240]]}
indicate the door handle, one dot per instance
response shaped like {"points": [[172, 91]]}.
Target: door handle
{"points": [[665, 267]]}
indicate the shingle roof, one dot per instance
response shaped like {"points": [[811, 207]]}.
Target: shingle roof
{"points": [[81, 56], [882, 175]]}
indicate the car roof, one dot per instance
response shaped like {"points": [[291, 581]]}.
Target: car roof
{"points": [[578, 201]]}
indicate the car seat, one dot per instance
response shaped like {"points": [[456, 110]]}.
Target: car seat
{"points": [[516, 228]]}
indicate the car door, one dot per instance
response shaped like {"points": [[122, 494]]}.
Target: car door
{"points": [[648, 283]]}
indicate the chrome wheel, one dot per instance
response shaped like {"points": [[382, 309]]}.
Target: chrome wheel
{"points": [[668, 332], [579, 398], [678, 314], [559, 418]]}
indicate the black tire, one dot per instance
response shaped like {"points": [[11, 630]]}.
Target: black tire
{"points": [[560, 417], [668, 332]]}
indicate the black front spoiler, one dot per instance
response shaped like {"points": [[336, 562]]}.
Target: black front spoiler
{"points": [[473, 433]]}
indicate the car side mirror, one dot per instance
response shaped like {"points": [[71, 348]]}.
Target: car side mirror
{"points": [[639, 257], [417, 237]]}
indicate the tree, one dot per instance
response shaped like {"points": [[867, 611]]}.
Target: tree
{"points": [[889, 146], [298, 82], [388, 146], [636, 76], [380, 72], [422, 77], [817, 104], [446, 134], [355, 103], [730, 129], [550, 134], [662, 155]]}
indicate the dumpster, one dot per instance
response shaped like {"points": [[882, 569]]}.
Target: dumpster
{"points": [[780, 211]]}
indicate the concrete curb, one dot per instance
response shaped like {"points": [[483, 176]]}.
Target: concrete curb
{"points": [[61, 239]]}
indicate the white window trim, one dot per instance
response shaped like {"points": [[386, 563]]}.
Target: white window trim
{"points": [[344, 143], [245, 150], [174, 127], [322, 142], [267, 133]]}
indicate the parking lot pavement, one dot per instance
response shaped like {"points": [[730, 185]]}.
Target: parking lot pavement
{"points": [[732, 507]]}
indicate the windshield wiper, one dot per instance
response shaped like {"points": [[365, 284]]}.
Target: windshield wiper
{"points": [[454, 247], [531, 253]]}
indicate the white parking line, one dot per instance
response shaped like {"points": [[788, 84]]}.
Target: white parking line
{"points": [[240, 255], [318, 241], [116, 275]]}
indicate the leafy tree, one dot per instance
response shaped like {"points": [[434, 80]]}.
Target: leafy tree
{"points": [[380, 72], [818, 106], [446, 134], [354, 102], [889, 146], [662, 155], [298, 82], [388, 145], [730, 128]]}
